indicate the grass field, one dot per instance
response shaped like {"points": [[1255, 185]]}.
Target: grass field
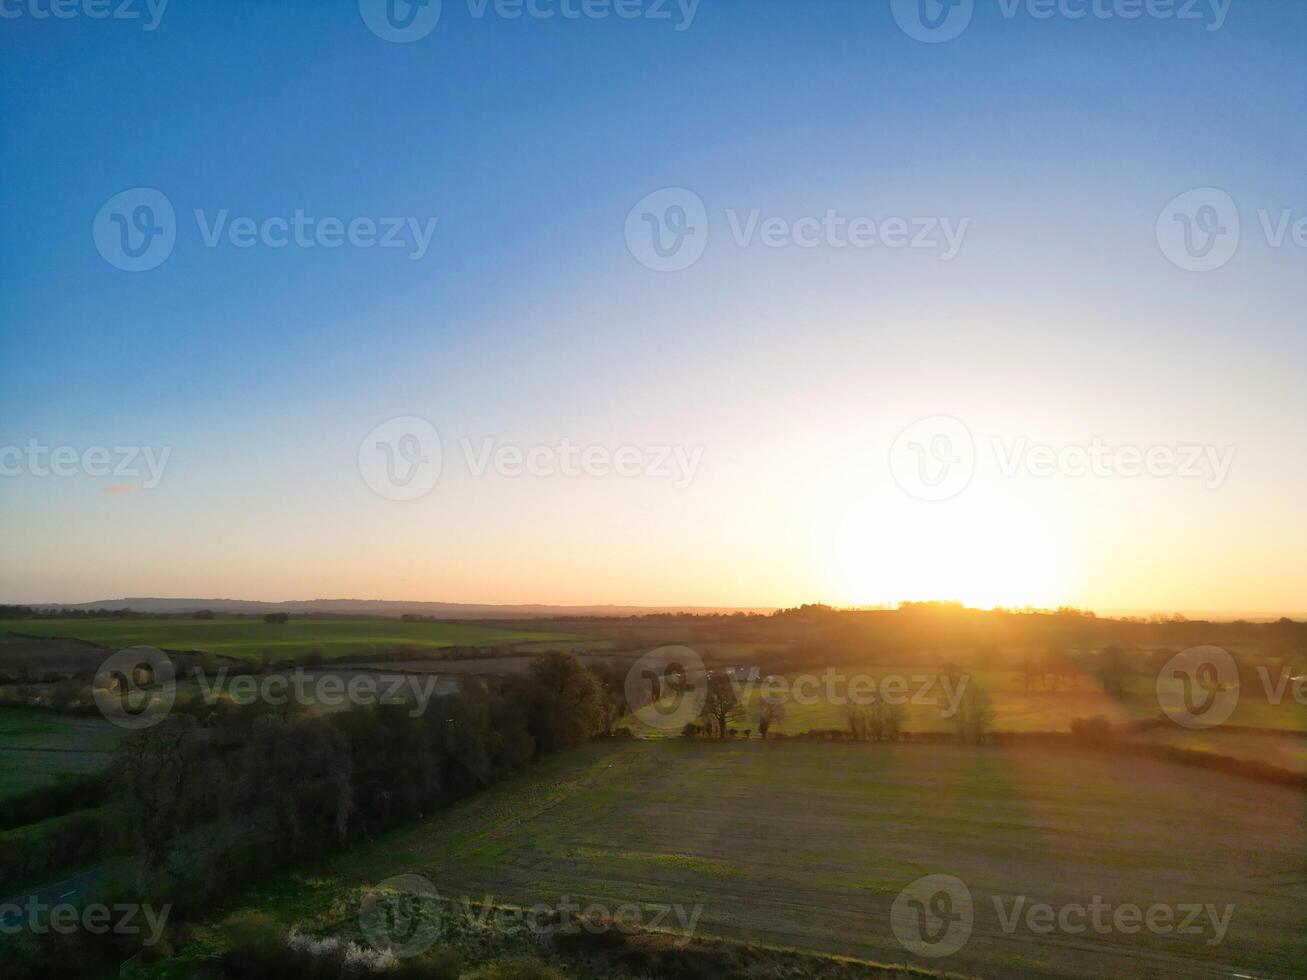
{"points": [[1017, 708], [806, 845], [38, 746], [250, 638]]}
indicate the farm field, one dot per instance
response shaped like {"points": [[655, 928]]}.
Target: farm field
{"points": [[1016, 709], [1285, 753], [251, 638], [806, 845], [37, 746], [45, 657]]}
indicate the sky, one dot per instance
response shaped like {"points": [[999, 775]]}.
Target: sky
{"points": [[712, 304]]}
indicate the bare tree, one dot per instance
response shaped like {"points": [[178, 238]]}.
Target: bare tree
{"points": [[974, 717], [771, 713], [721, 705], [155, 766]]}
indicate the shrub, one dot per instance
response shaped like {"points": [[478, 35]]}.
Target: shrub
{"points": [[258, 946], [442, 964], [518, 968]]}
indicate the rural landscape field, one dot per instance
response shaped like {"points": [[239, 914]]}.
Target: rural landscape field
{"points": [[778, 846], [653, 490], [244, 640]]}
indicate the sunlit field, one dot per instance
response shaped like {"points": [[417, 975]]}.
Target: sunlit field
{"points": [[807, 845], [251, 639]]}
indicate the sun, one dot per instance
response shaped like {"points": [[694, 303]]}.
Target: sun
{"points": [[983, 553]]}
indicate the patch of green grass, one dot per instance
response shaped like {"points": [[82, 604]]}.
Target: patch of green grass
{"points": [[36, 747], [251, 638], [806, 845]]}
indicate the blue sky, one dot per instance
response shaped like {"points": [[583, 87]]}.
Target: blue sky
{"points": [[528, 320]]}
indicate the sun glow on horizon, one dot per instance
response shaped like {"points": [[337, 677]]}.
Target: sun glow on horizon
{"points": [[983, 555]]}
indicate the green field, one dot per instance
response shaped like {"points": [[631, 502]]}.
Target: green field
{"points": [[251, 638], [38, 746], [806, 845], [1016, 709]]}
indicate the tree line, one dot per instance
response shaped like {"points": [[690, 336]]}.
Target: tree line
{"points": [[207, 802]]}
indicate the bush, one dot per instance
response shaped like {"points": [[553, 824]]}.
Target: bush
{"points": [[518, 968], [443, 964], [66, 794], [258, 946], [56, 844]]}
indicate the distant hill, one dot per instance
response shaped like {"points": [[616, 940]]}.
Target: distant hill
{"points": [[384, 607]]}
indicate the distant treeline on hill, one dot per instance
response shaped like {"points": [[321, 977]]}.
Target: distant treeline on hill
{"points": [[30, 612], [37, 612]]}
